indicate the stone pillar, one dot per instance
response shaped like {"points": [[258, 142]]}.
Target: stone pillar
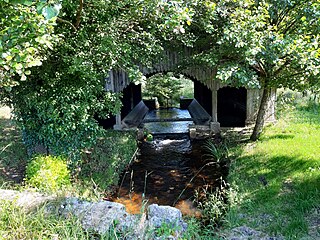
{"points": [[215, 125], [118, 125]]}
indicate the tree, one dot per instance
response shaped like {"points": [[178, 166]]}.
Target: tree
{"points": [[57, 103], [266, 43], [164, 87]]}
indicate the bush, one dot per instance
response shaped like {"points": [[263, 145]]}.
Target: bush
{"points": [[48, 173]]}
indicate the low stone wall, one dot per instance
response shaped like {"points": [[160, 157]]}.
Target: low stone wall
{"points": [[102, 216]]}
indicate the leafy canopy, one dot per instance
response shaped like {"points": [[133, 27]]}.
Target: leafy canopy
{"points": [[272, 42], [57, 104], [26, 33]]}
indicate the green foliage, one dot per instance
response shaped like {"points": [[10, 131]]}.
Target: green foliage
{"points": [[48, 173], [56, 105], [187, 90], [105, 162], [274, 42], [163, 86], [27, 32], [62, 117]]}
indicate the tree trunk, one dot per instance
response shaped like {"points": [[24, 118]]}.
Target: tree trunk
{"points": [[261, 113]]}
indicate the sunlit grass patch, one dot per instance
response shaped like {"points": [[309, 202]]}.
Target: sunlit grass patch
{"points": [[279, 178], [16, 223]]}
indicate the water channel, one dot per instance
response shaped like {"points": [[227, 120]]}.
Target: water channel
{"points": [[169, 169]]}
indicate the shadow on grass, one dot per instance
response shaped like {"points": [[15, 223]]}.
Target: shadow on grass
{"points": [[270, 177], [13, 154], [279, 136]]}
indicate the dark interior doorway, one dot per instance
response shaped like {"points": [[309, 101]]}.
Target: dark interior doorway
{"points": [[232, 105]]}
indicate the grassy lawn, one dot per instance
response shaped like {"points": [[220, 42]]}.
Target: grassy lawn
{"points": [[278, 178]]}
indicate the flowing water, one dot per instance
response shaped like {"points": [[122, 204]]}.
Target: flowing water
{"points": [[168, 127], [168, 171]]}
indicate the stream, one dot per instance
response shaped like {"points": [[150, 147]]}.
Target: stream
{"points": [[168, 171]]}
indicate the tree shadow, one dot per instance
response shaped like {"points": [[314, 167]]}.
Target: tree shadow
{"points": [[277, 174], [13, 154], [279, 136]]}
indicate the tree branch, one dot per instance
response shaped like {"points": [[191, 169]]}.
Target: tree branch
{"points": [[262, 68], [285, 13], [281, 67], [66, 22], [289, 27], [78, 18]]}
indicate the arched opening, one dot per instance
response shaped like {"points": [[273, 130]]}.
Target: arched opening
{"points": [[166, 90], [232, 104]]}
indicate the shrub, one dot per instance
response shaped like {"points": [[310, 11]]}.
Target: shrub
{"points": [[48, 173]]}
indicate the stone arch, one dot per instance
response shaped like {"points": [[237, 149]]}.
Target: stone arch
{"points": [[206, 88], [202, 93]]}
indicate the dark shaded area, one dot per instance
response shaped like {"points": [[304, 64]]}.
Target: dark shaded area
{"points": [[185, 102], [13, 153], [131, 96], [203, 95], [232, 106], [278, 136]]}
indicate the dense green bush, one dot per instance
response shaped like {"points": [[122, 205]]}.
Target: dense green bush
{"points": [[48, 173]]}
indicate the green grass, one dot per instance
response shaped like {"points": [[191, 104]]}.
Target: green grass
{"points": [[15, 223], [287, 160]]}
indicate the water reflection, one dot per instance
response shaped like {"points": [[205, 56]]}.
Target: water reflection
{"points": [[168, 127]]}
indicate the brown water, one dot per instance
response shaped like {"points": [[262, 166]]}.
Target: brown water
{"points": [[168, 172]]}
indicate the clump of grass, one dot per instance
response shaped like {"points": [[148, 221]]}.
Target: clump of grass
{"points": [[217, 152], [48, 173], [15, 223], [278, 177], [213, 204]]}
